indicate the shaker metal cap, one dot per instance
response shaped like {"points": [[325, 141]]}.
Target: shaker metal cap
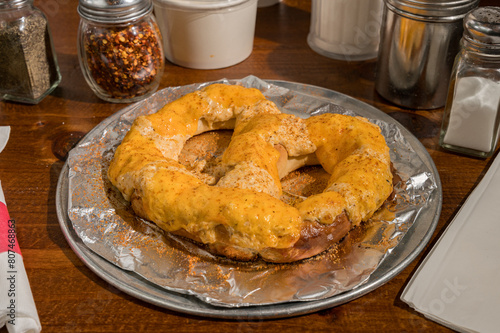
{"points": [[483, 26], [12, 3], [433, 10], [114, 11]]}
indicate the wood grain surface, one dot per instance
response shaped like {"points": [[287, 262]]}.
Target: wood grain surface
{"points": [[71, 298]]}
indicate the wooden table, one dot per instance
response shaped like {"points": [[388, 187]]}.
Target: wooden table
{"points": [[71, 298]]}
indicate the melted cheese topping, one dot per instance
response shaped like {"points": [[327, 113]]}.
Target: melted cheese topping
{"points": [[245, 201], [356, 155], [146, 171]]}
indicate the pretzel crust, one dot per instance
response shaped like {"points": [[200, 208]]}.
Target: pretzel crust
{"points": [[240, 215]]}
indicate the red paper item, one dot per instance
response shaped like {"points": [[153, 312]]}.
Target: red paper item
{"points": [[8, 240]]}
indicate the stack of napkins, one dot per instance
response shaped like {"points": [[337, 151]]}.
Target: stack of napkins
{"points": [[17, 308], [458, 284]]}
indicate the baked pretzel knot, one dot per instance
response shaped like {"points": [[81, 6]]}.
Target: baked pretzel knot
{"points": [[240, 215]]}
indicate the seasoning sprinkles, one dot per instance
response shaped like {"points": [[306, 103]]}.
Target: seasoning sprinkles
{"points": [[125, 62]]}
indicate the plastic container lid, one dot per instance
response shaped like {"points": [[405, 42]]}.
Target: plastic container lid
{"points": [[200, 4]]}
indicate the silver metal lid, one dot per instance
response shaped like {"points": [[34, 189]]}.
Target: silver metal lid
{"points": [[114, 11], [4, 4], [483, 26], [433, 10]]}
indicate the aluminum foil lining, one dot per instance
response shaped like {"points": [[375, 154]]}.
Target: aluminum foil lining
{"points": [[105, 223]]}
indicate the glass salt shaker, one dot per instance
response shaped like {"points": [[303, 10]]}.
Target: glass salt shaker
{"points": [[120, 49], [28, 63], [472, 112]]}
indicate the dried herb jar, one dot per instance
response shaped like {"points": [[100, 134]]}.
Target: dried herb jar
{"points": [[120, 49], [28, 63]]}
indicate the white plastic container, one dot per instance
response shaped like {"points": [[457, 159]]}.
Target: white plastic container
{"points": [[206, 34]]}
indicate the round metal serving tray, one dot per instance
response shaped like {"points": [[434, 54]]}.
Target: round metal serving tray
{"points": [[131, 283]]}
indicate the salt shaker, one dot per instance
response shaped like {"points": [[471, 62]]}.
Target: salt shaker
{"points": [[120, 49], [419, 41], [472, 112], [28, 62]]}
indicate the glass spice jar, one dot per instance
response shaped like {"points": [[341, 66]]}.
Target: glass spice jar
{"points": [[471, 116], [28, 63], [120, 49]]}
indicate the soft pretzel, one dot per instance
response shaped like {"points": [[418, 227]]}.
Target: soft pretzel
{"points": [[240, 215]]}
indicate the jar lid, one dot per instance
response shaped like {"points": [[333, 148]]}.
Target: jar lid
{"points": [[200, 4], [5, 4], [483, 25], [114, 11], [433, 10]]}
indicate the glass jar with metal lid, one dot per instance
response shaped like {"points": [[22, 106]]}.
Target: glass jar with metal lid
{"points": [[120, 49], [419, 41], [28, 63], [471, 119]]}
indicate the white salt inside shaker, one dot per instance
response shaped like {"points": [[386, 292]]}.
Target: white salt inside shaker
{"points": [[473, 113]]}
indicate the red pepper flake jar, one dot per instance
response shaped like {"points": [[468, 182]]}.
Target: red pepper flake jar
{"points": [[120, 49]]}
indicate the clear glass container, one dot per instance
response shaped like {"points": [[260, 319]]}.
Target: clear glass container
{"points": [[346, 30], [472, 112], [28, 63], [120, 49]]}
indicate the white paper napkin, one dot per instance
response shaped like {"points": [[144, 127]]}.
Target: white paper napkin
{"points": [[458, 284], [4, 136], [17, 307]]}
